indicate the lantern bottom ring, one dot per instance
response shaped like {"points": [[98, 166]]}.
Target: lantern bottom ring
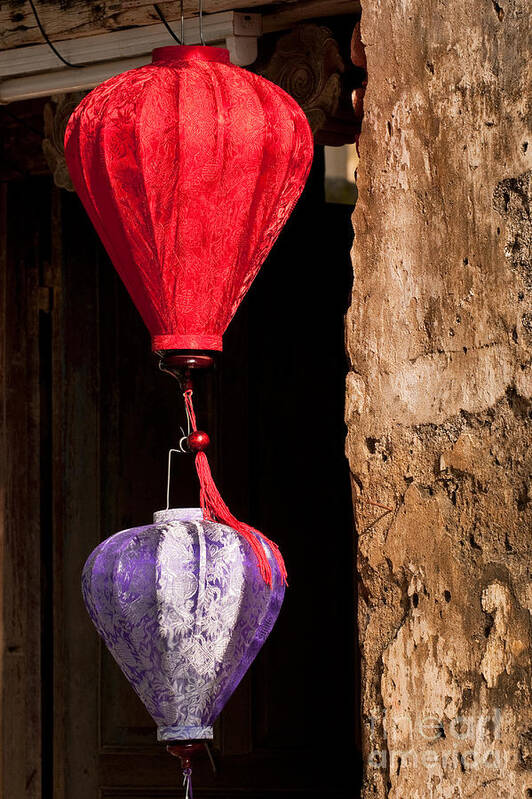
{"points": [[180, 733], [186, 360], [181, 365]]}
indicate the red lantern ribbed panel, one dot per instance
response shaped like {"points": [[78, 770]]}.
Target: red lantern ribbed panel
{"points": [[188, 168]]}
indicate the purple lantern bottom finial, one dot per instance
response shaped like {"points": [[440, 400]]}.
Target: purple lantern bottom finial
{"points": [[183, 609]]}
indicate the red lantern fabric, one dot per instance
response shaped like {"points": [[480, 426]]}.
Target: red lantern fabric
{"points": [[188, 168]]}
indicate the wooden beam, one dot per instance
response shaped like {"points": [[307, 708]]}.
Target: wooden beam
{"points": [[133, 43], [82, 18]]}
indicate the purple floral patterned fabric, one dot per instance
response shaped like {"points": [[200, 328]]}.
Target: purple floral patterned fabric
{"points": [[183, 609]]}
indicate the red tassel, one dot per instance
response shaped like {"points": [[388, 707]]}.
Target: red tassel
{"points": [[215, 509]]}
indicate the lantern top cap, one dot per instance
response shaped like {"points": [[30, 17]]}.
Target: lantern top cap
{"points": [[178, 515], [177, 54]]}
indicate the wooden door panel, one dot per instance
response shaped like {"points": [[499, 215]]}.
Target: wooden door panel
{"points": [[25, 595], [77, 394]]}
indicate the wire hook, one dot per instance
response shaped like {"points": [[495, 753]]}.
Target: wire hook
{"points": [[200, 8], [179, 450]]}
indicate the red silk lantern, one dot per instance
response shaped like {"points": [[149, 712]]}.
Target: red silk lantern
{"points": [[188, 168]]}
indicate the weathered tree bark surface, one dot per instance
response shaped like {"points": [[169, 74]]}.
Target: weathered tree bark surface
{"points": [[439, 335]]}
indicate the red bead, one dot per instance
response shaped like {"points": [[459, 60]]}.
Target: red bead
{"points": [[198, 441]]}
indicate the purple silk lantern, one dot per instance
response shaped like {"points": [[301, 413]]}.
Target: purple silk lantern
{"points": [[182, 607]]}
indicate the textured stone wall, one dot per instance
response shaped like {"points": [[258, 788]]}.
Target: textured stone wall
{"points": [[439, 335]]}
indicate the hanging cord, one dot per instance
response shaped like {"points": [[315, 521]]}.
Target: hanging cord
{"points": [[187, 783], [215, 509], [167, 26], [48, 42]]}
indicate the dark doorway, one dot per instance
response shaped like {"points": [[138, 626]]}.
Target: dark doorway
{"points": [[274, 408]]}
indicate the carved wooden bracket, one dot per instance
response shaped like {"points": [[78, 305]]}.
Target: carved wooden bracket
{"points": [[56, 115], [308, 65]]}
